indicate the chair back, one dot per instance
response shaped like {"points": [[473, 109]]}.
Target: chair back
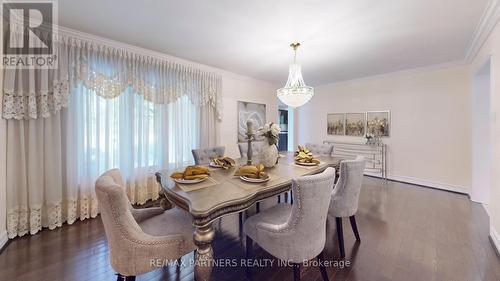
{"points": [[119, 224], [256, 148], [309, 213], [203, 156], [345, 195], [320, 149]]}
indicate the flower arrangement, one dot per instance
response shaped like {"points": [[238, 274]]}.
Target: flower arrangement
{"points": [[271, 131], [370, 138]]}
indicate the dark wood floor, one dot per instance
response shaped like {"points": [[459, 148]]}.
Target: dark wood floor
{"points": [[408, 233]]}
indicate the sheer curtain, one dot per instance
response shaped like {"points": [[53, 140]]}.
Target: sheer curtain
{"points": [[104, 107], [57, 160], [130, 133]]}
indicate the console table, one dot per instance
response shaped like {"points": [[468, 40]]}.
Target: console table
{"points": [[375, 155]]}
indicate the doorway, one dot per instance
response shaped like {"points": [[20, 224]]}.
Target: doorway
{"points": [[481, 141], [286, 122]]}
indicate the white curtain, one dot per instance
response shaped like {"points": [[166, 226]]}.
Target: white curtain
{"points": [[109, 72], [114, 109]]}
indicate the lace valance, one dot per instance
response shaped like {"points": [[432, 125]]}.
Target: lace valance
{"points": [[109, 71]]}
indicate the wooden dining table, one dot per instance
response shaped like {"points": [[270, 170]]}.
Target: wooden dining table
{"points": [[227, 194]]}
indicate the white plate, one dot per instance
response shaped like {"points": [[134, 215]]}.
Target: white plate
{"points": [[213, 165], [306, 164], [252, 180], [183, 181]]}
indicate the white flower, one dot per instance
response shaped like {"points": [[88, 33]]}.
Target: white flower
{"points": [[266, 128], [275, 130]]}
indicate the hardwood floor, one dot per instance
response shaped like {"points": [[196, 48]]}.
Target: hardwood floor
{"points": [[408, 233]]}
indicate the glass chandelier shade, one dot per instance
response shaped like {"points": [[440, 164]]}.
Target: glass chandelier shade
{"points": [[295, 93]]}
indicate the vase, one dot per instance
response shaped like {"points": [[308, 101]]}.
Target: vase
{"points": [[268, 155]]}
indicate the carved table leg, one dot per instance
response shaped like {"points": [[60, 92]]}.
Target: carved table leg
{"points": [[203, 237]]}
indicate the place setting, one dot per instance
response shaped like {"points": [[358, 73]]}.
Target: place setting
{"points": [[252, 176], [225, 163], [193, 178], [304, 158]]}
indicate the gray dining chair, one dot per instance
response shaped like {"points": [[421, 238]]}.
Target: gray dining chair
{"points": [[297, 232], [203, 156], [256, 148], [320, 149], [138, 236], [345, 197]]}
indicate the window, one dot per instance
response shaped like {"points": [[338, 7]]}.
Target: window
{"points": [[132, 133]]}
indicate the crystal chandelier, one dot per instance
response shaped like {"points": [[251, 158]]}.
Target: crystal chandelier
{"points": [[295, 93]]}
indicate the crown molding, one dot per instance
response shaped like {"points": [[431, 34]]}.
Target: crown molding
{"points": [[486, 24], [409, 71]]}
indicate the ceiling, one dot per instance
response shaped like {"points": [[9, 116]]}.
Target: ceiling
{"points": [[341, 39]]}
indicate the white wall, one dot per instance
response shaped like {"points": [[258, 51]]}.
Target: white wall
{"points": [[491, 51], [481, 152], [240, 88], [430, 140]]}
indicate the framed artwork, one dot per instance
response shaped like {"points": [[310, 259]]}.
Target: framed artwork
{"points": [[355, 124], [336, 124], [253, 111], [378, 123]]}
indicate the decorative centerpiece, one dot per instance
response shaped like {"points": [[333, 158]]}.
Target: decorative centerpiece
{"points": [[377, 128], [269, 153], [250, 138], [370, 139]]}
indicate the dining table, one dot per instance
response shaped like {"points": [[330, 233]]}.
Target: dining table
{"points": [[223, 194]]}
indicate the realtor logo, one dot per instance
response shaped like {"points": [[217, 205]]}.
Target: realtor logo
{"points": [[27, 35]]}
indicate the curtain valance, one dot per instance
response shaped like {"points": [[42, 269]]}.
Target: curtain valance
{"points": [[109, 71]]}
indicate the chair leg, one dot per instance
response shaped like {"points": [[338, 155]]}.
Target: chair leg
{"points": [[354, 227], [340, 236], [240, 214], [249, 255], [124, 278], [322, 267], [286, 197], [291, 197], [257, 207], [279, 198], [296, 272]]}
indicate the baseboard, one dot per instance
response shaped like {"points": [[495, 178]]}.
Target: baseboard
{"points": [[426, 183], [437, 185], [3, 240], [495, 240], [485, 208]]}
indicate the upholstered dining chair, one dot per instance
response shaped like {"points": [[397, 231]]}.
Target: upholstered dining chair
{"points": [[295, 233], [138, 236], [203, 156], [256, 148], [345, 196], [320, 149]]}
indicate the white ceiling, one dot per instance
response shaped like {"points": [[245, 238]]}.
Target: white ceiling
{"points": [[341, 39]]}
